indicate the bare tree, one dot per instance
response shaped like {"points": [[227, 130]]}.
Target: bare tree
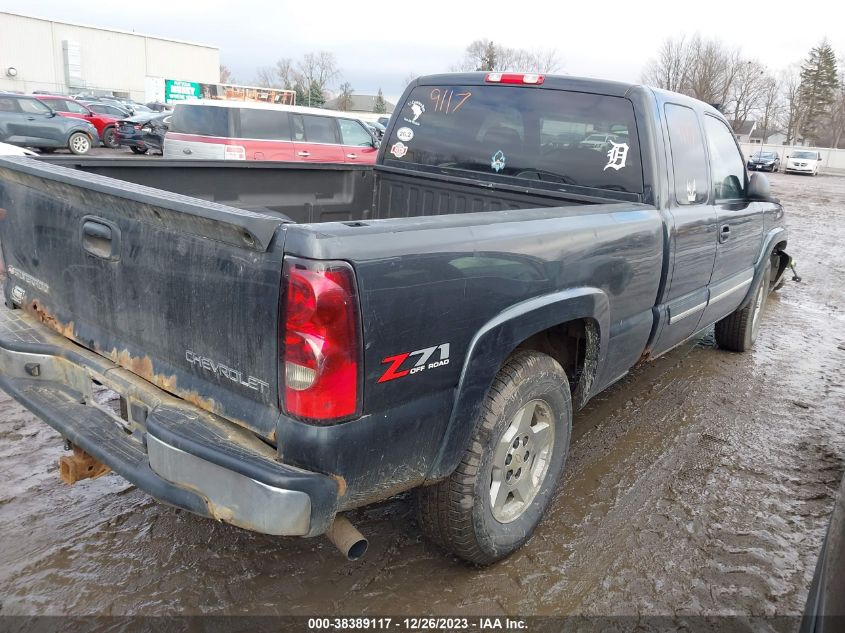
{"points": [[286, 74], [315, 72], [409, 78], [770, 107], [790, 115], [670, 69], [318, 69], [704, 69], [488, 56], [266, 77], [747, 93], [712, 70], [479, 55], [226, 75], [344, 97], [543, 60]]}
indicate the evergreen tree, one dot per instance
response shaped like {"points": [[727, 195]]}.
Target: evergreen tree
{"points": [[489, 58], [316, 98], [301, 94], [818, 86], [380, 107]]}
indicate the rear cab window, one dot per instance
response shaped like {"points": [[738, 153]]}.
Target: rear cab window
{"points": [[518, 134], [689, 160]]}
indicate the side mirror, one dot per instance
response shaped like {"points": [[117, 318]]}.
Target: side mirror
{"points": [[758, 187]]}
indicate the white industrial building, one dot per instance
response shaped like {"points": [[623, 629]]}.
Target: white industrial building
{"points": [[37, 54]]}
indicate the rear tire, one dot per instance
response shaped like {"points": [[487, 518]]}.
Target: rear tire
{"points": [[493, 501], [738, 331], [79, 143], [138, 150], [109, 139]]}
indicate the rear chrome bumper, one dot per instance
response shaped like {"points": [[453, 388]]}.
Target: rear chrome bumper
{"points": [[178, 453]]}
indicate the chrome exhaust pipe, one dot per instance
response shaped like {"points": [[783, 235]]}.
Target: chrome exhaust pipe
{"points": [[345, 537]]}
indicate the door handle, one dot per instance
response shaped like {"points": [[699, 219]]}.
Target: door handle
{"points": [[101, 238], [96, 230], [187, 150], [304, 154], [30, 118], [724, 233], [352, 156]]}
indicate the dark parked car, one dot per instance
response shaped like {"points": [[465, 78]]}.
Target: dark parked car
{"points": [[107, 108], [764, 161], [143, 132], [27, 122], [158, 106], [376, 129], [286, 341]]}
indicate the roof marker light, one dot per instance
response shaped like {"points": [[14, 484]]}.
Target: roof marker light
{"points": [[515, 78]]}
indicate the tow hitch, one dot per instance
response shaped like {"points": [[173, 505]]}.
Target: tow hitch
{"points": [[80, 465]]}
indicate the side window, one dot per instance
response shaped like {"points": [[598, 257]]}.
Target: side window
{"points": [[320, 129], [56, 104], [726, 161], [8, 104], [32, 106], [268, 125], [297, 127], [689, 162], [353, 133], [202, 120], [74, 107]]}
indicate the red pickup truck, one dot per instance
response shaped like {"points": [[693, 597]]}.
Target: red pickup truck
{"points": [[68, 107]]}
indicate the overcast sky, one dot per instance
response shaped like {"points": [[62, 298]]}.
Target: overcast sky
{"points": [[379, 44]]}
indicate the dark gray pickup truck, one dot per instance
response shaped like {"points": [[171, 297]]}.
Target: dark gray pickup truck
{"points": [[273, 344]]}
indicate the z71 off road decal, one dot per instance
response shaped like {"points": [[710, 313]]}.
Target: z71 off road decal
{"points": [[409, 363]]}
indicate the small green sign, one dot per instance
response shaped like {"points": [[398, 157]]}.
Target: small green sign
{"points": [[175, 90]]}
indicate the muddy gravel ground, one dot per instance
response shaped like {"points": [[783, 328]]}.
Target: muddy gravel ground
{"points": [[701, 483]]}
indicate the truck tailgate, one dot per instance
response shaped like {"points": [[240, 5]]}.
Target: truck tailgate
{"points": [[182, 292]]}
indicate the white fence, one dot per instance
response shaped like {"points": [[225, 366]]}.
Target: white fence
{"points": [[833, 160]]}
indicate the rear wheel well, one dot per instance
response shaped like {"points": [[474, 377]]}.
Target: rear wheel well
{"points": [[575, 345], [779, 262]]}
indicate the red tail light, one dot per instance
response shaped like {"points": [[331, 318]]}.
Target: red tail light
{"points": [[321, 351]]}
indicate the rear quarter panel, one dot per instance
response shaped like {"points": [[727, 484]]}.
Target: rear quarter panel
{"points": [[434, 281]]}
